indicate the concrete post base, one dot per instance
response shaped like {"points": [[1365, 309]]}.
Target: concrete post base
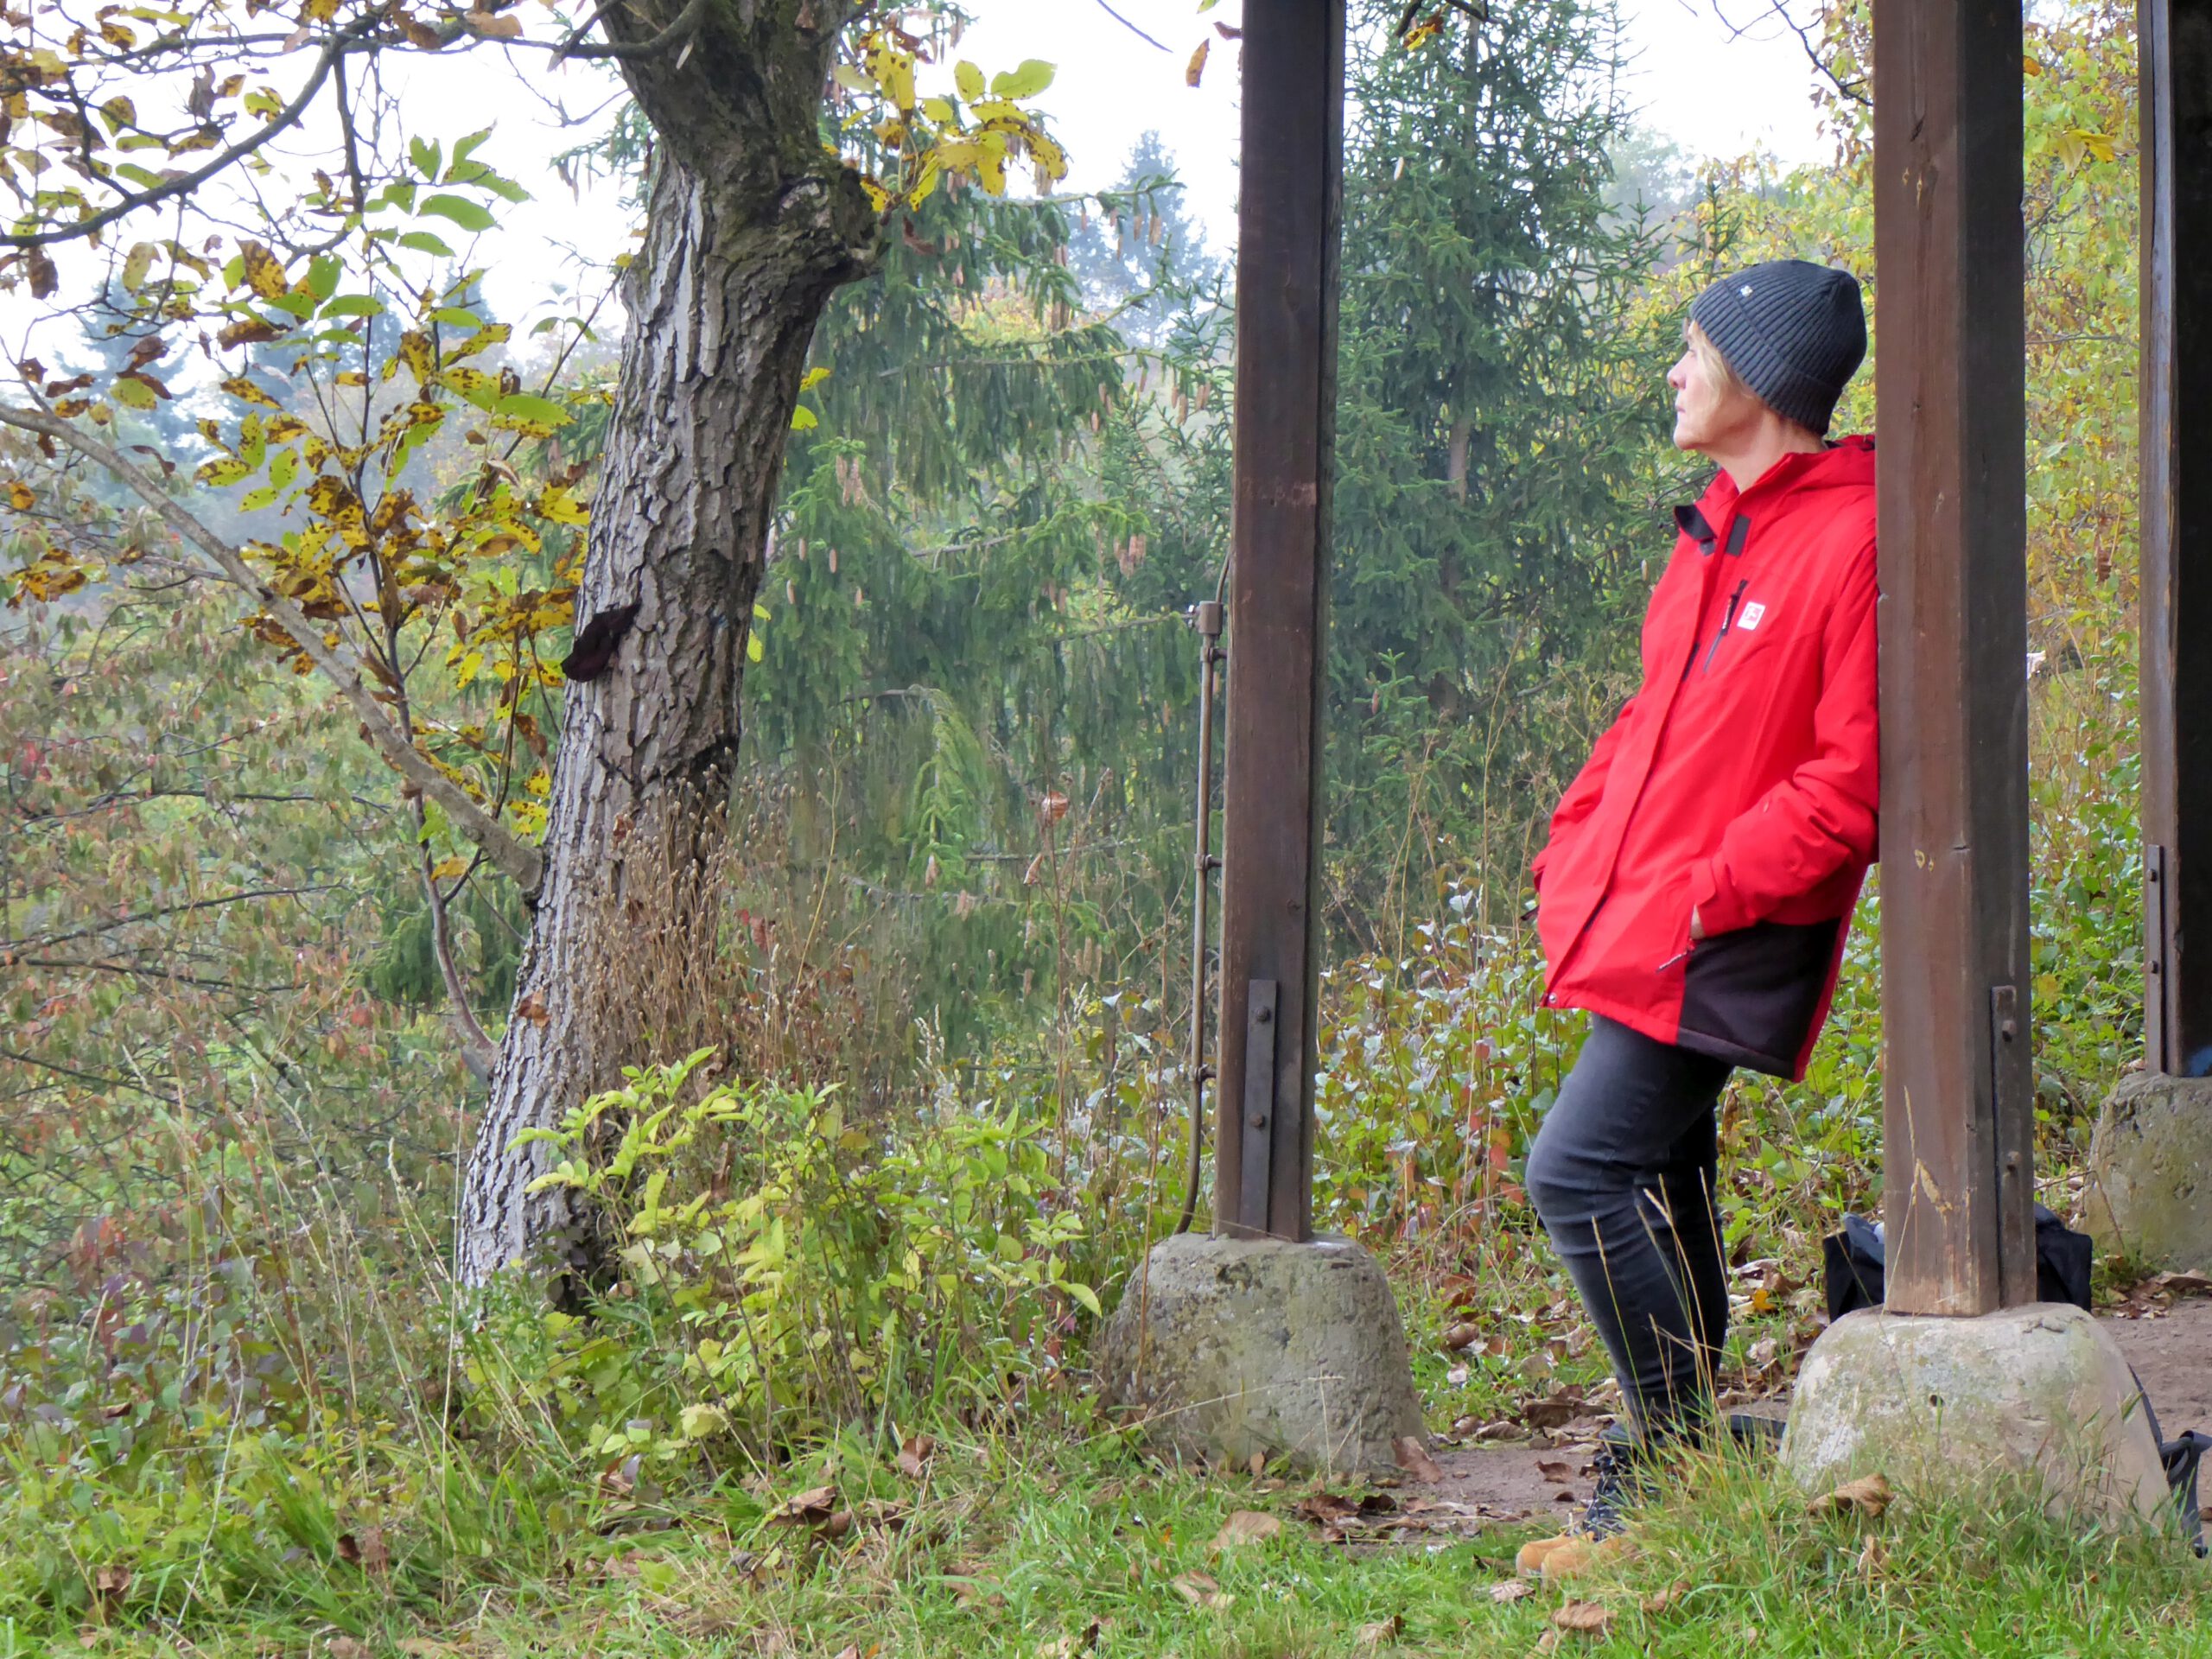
{"points": [[2149, 1192], [1223, 1347], [2037, 1396]]}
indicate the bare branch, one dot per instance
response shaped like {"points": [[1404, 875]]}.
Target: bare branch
{"points": [[1131, 26], [686, 25], [1856, 91], [514, 855]]}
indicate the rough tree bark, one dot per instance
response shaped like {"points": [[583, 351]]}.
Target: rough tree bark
{"points": [[752, 224]]}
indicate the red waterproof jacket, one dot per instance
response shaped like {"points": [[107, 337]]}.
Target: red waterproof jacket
{"points": [[1742, 780]]}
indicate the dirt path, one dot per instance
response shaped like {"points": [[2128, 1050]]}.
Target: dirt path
{"points": [[2172, 1351]]}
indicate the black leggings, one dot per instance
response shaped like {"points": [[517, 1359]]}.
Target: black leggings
{"points": [[1622, 1172]]}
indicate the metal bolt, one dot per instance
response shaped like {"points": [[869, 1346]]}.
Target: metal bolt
{"points": [[2010, 1029]]}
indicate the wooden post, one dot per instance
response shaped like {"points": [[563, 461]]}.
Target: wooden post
{"points": [[1951, 425], [2175, 40], [1289, 207]]}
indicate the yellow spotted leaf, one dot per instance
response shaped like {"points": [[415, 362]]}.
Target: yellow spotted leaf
{"points": [[246, 392], [264, 271]]}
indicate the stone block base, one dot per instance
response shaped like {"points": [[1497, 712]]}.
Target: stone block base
{"points": [[2149, 1192], [1223, 1347], [2036, 1397]]}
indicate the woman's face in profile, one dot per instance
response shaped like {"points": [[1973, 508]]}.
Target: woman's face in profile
{"points": [[1710, 405]]}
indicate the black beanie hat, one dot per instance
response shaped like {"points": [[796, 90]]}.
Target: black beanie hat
{"points": [[1794, 332]]}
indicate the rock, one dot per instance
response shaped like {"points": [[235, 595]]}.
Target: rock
{"points": [[1224, 1347], [1963, 1408], [2148, 1194]]}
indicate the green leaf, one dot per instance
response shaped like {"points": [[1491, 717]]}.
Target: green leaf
{"points": [[523, 406], [803, 419], [464, 148], [469, 215], [426, 155], [454, 317], [133, 394], [254, 500], [1030, 77], [354, 305], [136, 265], [323, 276], [969, 79], [424, 242]]}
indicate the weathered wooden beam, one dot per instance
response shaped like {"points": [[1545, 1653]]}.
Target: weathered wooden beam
{"points": [[1290, 197], [2175, 40], [1951, 419]]}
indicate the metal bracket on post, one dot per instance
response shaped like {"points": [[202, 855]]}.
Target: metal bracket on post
{"points": [[2157, 895], [1258, 1105], [2013, 1119]]}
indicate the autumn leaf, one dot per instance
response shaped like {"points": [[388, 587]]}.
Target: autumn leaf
{"points": [[262, 271], [1868, 1495], [1195, 71], [1512, 1590], [1201, 1590], [813, 1507], [1246, 1526], [1380, 1634], [365, 1550], [914, 1456], [1584, 1618], [1413, 1458], [246, 392]]}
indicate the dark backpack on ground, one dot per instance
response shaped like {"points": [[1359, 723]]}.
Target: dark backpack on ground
{"points": [[1854, 1258]]}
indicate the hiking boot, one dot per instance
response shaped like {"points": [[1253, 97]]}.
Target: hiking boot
{"points": [[1617, 1487], [1757, 1434]]}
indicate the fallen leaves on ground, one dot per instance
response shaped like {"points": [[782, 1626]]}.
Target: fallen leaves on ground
{"points": [[1067, 1647], [1200, 1589], [1511, 1590], [365, 1550], [810, 1507], [1413, 1458], [1246, 1526], [914, 1455], [1868, 1495], [1584, 1618], [1380, 1634]]}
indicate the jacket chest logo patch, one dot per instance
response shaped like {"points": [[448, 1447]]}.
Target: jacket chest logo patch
{"points": [[1751, 618]]}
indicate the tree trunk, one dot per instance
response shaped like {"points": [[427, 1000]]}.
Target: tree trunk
{"points": [[749, 230]]}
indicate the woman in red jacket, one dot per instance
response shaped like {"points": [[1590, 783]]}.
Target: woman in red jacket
{"points": [[1702, 868]]}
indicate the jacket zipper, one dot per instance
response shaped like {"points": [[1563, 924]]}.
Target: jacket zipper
{"points": [[1726, 623]]}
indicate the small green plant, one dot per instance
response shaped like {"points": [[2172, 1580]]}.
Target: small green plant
{"points": [[788, 1268]]}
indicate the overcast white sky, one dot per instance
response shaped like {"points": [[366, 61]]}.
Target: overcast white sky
{"points": [[1714, 91]]}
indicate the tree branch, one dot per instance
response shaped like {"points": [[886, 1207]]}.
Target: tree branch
{"points": [[478, 1051], [685, 26], [184, 183], [515, 857]]}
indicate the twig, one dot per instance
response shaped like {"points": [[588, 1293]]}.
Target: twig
{"points": [[1131, 26]]}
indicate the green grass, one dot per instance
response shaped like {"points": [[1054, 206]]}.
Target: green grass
{"points": [[1006, 1548]]}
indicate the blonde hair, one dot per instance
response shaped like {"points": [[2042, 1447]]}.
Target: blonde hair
{"points": [[1710, 354]]}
